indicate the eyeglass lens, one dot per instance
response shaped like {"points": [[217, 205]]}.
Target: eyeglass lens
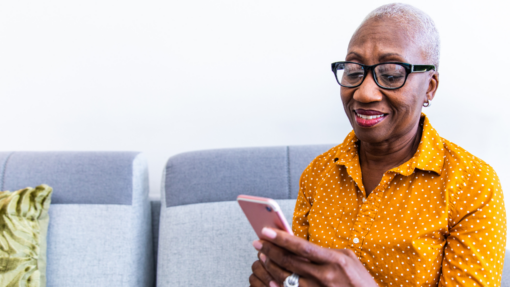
{"points": [[387, 75]]}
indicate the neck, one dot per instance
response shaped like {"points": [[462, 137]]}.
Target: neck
{"points": [[392, 153]]}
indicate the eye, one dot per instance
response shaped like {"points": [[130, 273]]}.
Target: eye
{"points": [[391, 78], [354, 75]]}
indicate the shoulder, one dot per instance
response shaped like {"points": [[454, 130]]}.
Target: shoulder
{"points": [[460, 159], [473, 183]]}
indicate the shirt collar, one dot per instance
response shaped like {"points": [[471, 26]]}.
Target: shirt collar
{"points": [[428, 157], [347, 152]]}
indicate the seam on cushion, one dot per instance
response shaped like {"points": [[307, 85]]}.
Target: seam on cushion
{"points": [[210, 202], [4, 170], [288, 174]]}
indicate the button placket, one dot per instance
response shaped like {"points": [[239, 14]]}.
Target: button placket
{"points": [[363, 223], [367, 214]]}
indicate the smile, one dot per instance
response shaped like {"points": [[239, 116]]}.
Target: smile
{"points": [[368, 118]]}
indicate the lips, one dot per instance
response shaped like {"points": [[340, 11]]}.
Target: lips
{"points": [[369, 118]]}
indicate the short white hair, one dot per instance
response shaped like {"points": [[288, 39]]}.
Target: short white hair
{"points": [[418, 24]]}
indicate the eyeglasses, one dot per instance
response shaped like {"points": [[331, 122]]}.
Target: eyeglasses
{"points": [[390, 76]]}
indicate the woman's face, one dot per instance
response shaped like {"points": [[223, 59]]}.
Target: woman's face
{"points": [[379, 41]]}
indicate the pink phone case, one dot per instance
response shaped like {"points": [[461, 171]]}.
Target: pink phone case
{"points": [[263, 212]]}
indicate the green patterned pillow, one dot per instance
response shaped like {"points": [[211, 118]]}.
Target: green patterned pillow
{"points": [[23, 228]]}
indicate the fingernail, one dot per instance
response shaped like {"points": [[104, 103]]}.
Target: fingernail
{"points": [[257, 244], [273, 284], [262, 257], [269, 233]]}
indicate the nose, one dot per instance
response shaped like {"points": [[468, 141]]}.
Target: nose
{"points": [[368, 92]]}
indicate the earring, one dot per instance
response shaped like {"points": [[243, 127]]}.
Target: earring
{"points": [[427, 103]]}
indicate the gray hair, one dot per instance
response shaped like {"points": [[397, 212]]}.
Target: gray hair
{"points": [[418, 24]]}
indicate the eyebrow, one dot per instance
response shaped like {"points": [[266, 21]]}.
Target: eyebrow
{"points": [[354, 54], [385, 55]]}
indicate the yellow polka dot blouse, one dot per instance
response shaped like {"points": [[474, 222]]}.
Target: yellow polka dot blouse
{"points": [[438, 219]]}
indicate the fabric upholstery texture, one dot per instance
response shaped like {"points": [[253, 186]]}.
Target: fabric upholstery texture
{"points": [[191, 177], [97, 245], [23, 230], [104, 244], [90, 245], [87, 175], [142, 257], [4, 157], [156, 211], [100, 232], [505, 280], [221, 175], [207, 244]]}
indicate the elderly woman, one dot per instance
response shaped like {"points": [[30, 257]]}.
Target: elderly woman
{"points": [[395, 204]]}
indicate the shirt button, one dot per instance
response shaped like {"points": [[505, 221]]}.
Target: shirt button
{"points": [[363, 199], [355, 240]]}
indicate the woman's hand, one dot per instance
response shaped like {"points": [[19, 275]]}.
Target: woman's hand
{"points": [[282, 254], [260, 276]]}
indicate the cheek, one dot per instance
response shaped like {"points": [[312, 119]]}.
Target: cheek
{"points": [[407, 101], [345, 95]]}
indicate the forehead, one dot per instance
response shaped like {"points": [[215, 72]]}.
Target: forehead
{"points": [[383, 40]]}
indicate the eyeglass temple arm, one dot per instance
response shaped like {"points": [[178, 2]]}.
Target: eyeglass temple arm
{"points": [[422, 68]]}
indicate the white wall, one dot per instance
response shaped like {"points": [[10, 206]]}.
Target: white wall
{"points": [[164, 77]]}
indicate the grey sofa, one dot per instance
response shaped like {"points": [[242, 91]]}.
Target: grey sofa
{"points": [[104, 230], [100, 222]]}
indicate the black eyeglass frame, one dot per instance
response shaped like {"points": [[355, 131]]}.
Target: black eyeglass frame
{"points": [[410, 68]]}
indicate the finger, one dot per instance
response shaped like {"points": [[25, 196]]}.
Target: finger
{"points": [[355, 261], [348, 252], [287, 261], [351, 257], [276, 272], [255, 282], [298, 246], [260, 271], [280, 275]]}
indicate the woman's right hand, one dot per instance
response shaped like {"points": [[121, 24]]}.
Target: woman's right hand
{"points": [[260, 276]]}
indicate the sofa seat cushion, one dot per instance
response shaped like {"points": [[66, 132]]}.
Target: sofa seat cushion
{"points": [[208, 244]]}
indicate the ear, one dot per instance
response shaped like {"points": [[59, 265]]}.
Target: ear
{"points": [[433, 85]]}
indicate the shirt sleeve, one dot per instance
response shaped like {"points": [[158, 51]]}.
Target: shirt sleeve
{"points": [[475, 246], [303, 204]]}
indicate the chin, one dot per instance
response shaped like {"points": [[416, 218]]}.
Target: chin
{"points": [[371, 135]]}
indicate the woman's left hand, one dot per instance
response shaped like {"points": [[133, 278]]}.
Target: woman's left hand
{"points": [[285, 254]]}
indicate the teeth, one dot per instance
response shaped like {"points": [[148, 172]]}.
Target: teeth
{"points": [[369, 117]]}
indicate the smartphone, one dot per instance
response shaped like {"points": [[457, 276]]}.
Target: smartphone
{"points": [[263, 212]]}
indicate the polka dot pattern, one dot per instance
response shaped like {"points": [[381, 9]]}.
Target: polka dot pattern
{"points": [[437, 220]]}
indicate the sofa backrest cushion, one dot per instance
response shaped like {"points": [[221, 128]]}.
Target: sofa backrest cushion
{"points": [[221, 175], [76, 177]]}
